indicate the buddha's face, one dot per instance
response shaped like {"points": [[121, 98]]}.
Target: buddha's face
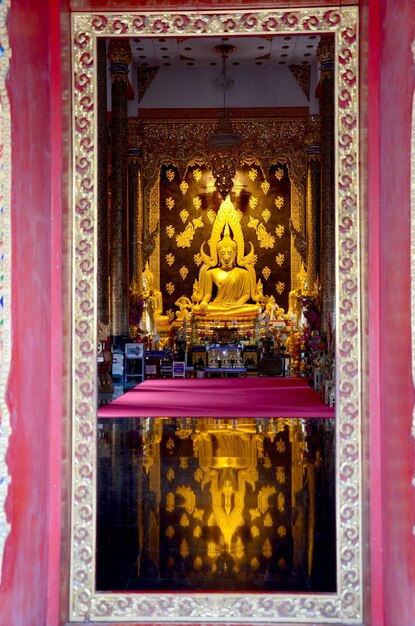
{"points": [[227, 255]]}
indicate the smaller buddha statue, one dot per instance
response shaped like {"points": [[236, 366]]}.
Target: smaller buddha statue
{"points": [[294, 313], [153, 305], [273, 309]]}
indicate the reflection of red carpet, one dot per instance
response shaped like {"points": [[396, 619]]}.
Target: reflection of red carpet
{"points": [[219, 397]]}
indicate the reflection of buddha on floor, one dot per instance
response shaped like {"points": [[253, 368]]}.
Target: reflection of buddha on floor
{"points": [[227, 278]]}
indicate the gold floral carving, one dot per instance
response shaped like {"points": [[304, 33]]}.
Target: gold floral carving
{"points": [[197, 175], [197, 202], [170, 259], [279, 259], [253, 202], [197, 563], [211, 216], [266, 272], [253, 174], [170, 474], [279, 202], [279, 173], [184, 187], [184, 547], [267, 549], [265, 239], [254, 531], [265, 187], [184, 215], [170, 288], [280, 474], [183, 272], [170, 532], [281, 502], [254, 564], [170, 502], [197, 259], [169, 203], [279, 230], [170, 231], [185, 238], [282, 531], [170, 174], [171, 143], [266, 215], [268, 520]]}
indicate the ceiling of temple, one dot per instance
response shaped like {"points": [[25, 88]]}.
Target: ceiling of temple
{"points": [[200, 51]]}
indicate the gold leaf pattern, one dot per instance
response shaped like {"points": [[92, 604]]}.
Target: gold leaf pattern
{"points": [[279, 230], [280, 474], [279, 173], [197, 532], [267, 549], [185, 238], [171, 315], [184, 187], [170, 562], [266, 215], [254, 564], [281, 502], [265, 187], [170, 259], [184, 462], [198, 564], [279, 259], [254, 513], [239, 214], [184, 549], [266, 240], [268, 520], [170, 203], [170, 174], [266, 272], [280, 445], [253, 202], [253, 222], [279, 202], [169, 532], [211, 216], [280, 286], [183, 271], [197, 222], [170, 502], [281, 531], [213, 550], [184, 215], [170, 443], [170, 474], [170, 288], [239, 548], [253, 174], [170, 231], [197, 259], [267, 462], [198, 475], [197, 174], [197, 203], [184, 521], [198, 514], [254, 531]]}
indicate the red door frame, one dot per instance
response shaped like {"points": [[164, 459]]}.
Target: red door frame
{"points": [[38, 88]]}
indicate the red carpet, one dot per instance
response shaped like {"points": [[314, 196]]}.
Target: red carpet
{"points": [[219, 397]]}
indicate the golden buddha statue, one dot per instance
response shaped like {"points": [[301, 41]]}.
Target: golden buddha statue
{"points": [[227, 281]]}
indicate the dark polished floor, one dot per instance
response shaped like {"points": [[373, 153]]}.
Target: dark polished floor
{"points": [[216, 505]]}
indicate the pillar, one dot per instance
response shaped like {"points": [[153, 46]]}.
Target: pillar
{"points": [[103, 312], [313, 203], [325, 54], [119, 54]]}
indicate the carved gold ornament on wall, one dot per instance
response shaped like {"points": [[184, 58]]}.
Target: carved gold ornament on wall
{"points": [[345, 605]]}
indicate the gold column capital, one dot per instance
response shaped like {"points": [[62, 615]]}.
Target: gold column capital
{"points": [[119, 55], [325, 50]]}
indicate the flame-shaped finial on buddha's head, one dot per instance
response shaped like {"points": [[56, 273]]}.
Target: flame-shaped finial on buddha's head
{"points": [[227, 240]]}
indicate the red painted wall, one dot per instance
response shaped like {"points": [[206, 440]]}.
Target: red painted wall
{"points": [[397, 82], [30, 589]]}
